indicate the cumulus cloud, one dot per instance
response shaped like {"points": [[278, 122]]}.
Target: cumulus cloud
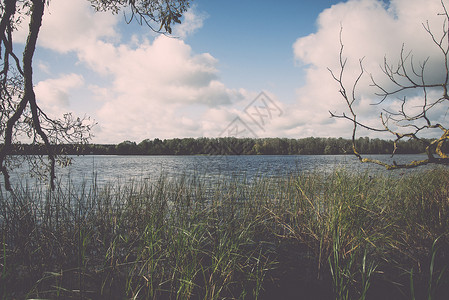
{"points": [[149, 86], [153, 87], [192, 21], [371, 30], [71, 25], [53, 95], [145, 86]]}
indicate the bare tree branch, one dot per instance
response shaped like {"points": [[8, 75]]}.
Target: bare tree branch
{"points": [[406, 76]]}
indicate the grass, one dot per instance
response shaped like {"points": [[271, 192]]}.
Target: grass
{"points": [[306, 236]]}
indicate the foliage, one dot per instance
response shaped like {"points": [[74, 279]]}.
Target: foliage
{"points": [[162, 13], [237, 146]]}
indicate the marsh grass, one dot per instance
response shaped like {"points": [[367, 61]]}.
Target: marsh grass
{"points": [[303, 236]]}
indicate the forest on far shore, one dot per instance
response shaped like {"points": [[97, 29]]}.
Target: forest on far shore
{"points": [[235, 146]]}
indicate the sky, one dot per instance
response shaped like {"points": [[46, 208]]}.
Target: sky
{"points": [[232, 68]]}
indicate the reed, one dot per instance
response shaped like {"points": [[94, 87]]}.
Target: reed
{"points": [[334, 236]]}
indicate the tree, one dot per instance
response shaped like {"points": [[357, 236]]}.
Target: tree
{"points": [[21, 119], [127, 148], [405, 78]]}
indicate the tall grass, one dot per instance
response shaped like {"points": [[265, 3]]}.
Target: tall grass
{"points": [[337, 236]]}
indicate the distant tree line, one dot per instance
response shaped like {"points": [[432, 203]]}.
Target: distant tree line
{"points": [[233, 146]]}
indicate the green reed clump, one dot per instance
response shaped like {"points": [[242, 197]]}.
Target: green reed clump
{"points": [[367, 232], [336, 236], [165, 239]]}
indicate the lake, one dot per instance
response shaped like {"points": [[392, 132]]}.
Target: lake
{"points": [[125, 168]]}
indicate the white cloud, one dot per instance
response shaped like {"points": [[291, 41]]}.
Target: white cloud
{"points": [[71, 25], [153, 87], [44, 67], [53, 95], [153, 84], [191, 22], [371, 30], [159, 87]]}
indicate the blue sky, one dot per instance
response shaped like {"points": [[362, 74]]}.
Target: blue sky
{"points": [[253, 42], [137, 84]]}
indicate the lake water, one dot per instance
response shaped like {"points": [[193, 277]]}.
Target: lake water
{"points": [[125, 168]]}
